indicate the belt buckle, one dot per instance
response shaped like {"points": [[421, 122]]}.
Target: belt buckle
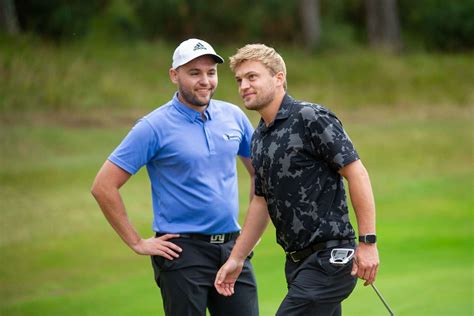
{"points": [[290, 254], [217, 239]]}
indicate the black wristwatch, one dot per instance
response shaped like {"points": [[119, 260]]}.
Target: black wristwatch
{"points": [[368, 239]]}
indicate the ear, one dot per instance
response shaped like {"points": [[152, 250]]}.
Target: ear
{"points": [[173, 75], [280, 78]]}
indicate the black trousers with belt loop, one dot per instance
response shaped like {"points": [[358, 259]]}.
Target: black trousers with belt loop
{"points": [[187, 283], [315, 286]]}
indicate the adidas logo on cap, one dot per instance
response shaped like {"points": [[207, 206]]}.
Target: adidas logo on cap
{"points": [[199, 46]]}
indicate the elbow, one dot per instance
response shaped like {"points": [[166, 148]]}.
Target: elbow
{"points": [[354, 170], [252, 178], [362, 171], [96, 190]]}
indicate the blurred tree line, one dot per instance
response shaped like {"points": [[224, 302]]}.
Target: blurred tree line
{"points": [[392, 24]]}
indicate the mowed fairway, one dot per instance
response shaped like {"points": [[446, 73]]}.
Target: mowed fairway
{"points": [[58, 255]]}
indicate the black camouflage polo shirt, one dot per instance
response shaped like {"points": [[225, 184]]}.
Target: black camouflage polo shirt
{"points": [[296, 159]]}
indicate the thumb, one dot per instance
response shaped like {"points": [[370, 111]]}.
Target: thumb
{"points": [[355, 268], [221, 274]]}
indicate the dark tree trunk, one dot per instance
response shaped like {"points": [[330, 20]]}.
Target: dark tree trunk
{"points": [[8, 17], [383, 26], [311, 26]]}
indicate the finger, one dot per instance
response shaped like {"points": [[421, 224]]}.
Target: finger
{"points": [[370, 278], [365, 274], [229, 289], [170, 245], [225, 290], [367, 282], [222, 289], [373, 273], [219, 289], [164, 255], [376, 270], [169, 252], [168, 236], [221, 275]]}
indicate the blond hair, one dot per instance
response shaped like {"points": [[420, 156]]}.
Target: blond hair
{"points": [[261, 53]]}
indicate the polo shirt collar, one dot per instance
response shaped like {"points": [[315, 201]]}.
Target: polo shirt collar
{"points": [[283, 113], [285, 107], [191, 114]]}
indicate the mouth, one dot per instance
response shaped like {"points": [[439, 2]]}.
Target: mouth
{"points": [[204, 91], [248, 94]]}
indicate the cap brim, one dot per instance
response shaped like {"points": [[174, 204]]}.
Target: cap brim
{"points": [[218, 59]]}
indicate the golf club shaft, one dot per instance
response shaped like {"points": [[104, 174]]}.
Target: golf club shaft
{"points": [[382, 299]]}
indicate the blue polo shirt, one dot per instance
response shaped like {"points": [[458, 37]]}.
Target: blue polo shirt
{"points": [[191, 164]]}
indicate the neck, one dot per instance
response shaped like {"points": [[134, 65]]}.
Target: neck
{"points": [[269, 112]]}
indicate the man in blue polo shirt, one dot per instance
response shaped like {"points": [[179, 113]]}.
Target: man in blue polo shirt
{"points": [[189, 147]]}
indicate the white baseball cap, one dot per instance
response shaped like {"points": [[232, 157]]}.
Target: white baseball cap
{"points": [[191, 49]]}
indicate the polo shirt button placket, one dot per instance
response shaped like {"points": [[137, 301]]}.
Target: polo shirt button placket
{"points": [[210, 143]]}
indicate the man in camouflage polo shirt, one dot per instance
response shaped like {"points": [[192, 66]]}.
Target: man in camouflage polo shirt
{"points": [[301, 154]]}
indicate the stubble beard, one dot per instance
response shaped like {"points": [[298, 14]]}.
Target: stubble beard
{"points": [[192, 99], [260, 102]]}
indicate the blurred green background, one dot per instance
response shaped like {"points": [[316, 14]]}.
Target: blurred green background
{"points": [[76, 75]]}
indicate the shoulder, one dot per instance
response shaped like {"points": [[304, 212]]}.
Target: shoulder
{"points": [[227, 111], [310, 111], [227, 106], [157, 119], [160, 112]]}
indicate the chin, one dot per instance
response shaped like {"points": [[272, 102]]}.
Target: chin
{"points": [[250, 106]]}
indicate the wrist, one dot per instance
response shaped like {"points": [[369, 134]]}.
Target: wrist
{"points": [[238, 259], [136, 245]]}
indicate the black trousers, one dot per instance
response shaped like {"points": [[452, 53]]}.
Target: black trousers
{"points": [[315, 286], [187, 283]]}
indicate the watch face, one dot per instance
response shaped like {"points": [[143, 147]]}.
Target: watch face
{"points": [[371, 239], [368, 239]]}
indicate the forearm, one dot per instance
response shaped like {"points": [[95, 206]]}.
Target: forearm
{"points": [[114, 211], [252, 188], [363, 203], [360, 191], [248, 165], [254, 225], [105, 190]]}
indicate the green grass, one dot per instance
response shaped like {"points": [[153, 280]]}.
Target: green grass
{"points": [[116, 76], [411, 124]]}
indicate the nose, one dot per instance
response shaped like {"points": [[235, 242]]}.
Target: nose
{"points": [[244, 84], [204, 80]]}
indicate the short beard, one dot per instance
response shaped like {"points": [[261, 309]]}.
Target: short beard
{"points": [[192, 100], [260, 103]]}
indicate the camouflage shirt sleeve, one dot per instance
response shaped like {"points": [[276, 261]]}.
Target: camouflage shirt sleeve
{"points": [[329, 140], [258, 175]]}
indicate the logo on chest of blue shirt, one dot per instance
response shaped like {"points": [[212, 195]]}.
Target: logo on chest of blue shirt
{"points": [[232, 136]]}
